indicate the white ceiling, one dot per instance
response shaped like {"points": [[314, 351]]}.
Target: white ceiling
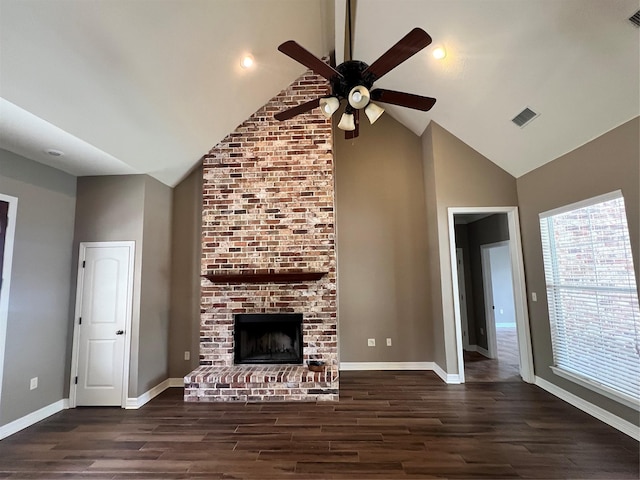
{"points": [[149, 86]]}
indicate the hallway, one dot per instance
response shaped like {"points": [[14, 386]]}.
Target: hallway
{"points": [[505, 368]]}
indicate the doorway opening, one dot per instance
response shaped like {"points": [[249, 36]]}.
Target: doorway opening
{"points": [[503, 360], [8, 211], [491, 318]]}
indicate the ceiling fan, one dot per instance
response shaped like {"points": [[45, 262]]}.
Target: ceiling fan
{"points": [[352, 80]]}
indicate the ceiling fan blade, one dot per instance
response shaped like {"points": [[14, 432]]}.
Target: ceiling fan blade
{"points": [[349, 134], [408, 100], [409, 45], [308, 59], [302, 108]]}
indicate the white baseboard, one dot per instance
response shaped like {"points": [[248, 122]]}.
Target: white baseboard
{"points": [[32, 418], [483, 351], [134, 403], [44, 412], [450, 378], [601, 414], [479, 349], [386, 366], [432, 366], [176, 382]]}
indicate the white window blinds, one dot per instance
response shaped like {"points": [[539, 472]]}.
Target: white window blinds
{"points": [[592, 293]]}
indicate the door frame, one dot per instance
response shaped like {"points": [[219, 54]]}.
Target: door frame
{"points": [[487, 283], [519, 290], [5, 274], [463, 304], [78, 309]]}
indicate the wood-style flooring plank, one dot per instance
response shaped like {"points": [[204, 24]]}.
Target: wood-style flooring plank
{"points": [[387, 425]]}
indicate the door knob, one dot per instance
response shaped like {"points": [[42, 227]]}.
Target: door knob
{"points": [[120, 332]]}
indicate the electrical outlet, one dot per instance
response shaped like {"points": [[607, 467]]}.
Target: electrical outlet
{"points": [[34, 383], [187, 355], [388, 342], [371, 342], [502, 311], [534, 296]]}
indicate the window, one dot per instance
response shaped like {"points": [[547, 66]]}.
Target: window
{"points": [[593, 297]]}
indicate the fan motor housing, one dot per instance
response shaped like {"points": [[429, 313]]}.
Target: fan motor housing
{"points": [[352, 72]]}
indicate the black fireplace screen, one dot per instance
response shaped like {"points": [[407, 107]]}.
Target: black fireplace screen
{"points": [[268, 338]]}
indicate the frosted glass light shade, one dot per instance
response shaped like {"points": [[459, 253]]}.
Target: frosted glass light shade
{"points": [[347, 122], [359, 97], [373, 112], [328, 106]]}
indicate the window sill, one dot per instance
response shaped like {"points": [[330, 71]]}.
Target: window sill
{"points": [[598, 388]]}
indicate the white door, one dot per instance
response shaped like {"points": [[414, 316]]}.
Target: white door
{"points": [[7, 234], [103, 316]]}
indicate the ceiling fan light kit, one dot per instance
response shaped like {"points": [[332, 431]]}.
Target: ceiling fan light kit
{"points": [[329, 105], [359, 97], [353, 80], [347, 122], [373, 112]]}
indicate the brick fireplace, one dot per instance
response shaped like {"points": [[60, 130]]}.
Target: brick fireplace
{"points": [[268, 247]]}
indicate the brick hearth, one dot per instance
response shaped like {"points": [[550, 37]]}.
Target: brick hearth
{"points": [[268, 208]]}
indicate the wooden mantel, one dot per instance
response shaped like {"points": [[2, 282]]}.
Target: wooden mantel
{"points": [[275, 277]]}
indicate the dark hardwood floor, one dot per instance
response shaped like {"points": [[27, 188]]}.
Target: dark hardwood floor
{"points": [[387, 425]]}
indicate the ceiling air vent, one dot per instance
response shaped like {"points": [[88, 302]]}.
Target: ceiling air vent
{"points": [[635, 18], [524, 117]]}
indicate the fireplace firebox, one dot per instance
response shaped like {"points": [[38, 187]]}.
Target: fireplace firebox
{"points": [[261, 338]]}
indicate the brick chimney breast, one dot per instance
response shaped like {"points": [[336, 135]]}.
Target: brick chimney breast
{"points": [[268, 208]]}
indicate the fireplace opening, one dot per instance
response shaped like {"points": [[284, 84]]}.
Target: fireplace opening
{"points": [[268, 338]]}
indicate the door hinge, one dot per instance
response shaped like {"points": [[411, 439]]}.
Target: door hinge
{"points": [[80, 321], [83, 263], [76, 381]]}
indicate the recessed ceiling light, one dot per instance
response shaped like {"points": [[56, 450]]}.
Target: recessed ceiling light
{"points": [[54, 153], [439, 53], [247, 61]]}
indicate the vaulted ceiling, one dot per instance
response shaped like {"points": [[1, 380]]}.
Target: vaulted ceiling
{"points": [[148, 86]]}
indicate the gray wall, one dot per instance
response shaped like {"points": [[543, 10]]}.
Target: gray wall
{"points": [[153, 346], [382, 245], [394, 276], [460, 177], [138, 208], [39, 306], [111, 208], [470, 237], [184, 329], [434, 290], [608, 163], [462, 241], [482, 232], [502, 286]]}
